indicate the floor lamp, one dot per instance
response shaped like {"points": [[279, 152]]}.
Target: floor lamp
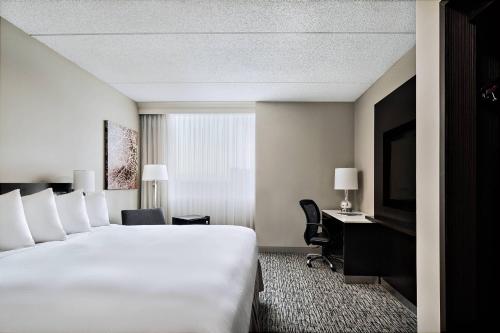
{"points": [[154, 173]]}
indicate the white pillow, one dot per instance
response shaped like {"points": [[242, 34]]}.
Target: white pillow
{"points": [[43, 220], [97, 209], [73, 213], [14, 231]]}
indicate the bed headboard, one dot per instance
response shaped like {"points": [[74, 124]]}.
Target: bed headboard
{"points": [[30, 188]]}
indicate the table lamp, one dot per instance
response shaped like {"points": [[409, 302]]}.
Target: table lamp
{"points": [[346, 179], [84, 180], [155, 173]]}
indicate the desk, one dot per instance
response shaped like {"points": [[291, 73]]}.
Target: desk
{"points": [[358, 240], [346, 218]]}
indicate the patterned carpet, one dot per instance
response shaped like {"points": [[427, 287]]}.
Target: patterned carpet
{"points": [[301, 299]]}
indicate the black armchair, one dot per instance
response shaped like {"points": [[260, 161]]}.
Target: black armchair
{"points": [[143, 217], [312, 235]]}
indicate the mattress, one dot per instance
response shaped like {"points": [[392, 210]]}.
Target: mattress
{"points": [[132, 279]]}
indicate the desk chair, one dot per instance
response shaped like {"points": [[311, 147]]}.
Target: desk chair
{"points": [[311, 234]]}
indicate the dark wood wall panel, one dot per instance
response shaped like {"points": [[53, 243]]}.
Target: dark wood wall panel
{"points": [[399, 262], [472, 166], [488, 162], [460, 171]]}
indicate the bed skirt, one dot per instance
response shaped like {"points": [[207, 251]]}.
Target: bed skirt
{"points": [[259, 286]]}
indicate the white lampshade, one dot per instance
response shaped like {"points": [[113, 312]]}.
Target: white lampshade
{"points": [[154, 172], [346, 179], [84, 180]]}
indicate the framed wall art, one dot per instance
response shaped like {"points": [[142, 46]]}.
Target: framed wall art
{"points": [[121, 160]]}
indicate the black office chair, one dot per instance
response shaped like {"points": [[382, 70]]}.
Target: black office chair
{"points": [[311, 234], [143, 217]]}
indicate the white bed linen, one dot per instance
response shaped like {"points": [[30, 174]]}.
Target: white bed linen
{"points": [[132, 279]]}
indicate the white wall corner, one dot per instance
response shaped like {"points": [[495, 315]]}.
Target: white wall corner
{"points": [[428, 165]]}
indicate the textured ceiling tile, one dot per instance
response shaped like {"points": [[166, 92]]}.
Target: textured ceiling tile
{"points": [[225, 49], [355, 58], [305, 92], [160, 16]]}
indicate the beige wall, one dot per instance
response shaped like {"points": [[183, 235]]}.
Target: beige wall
{"points": [[298, 146], [364, 125], [52, 114], [428, 156]]}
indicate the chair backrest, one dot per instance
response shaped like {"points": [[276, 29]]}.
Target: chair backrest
{"points": [[143, 217], [313, 215]]}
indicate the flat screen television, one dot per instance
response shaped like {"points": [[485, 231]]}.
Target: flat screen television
{"points": [[399, 187]]}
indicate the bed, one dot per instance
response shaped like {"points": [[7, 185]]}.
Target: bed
{"points": [[133, 279]]}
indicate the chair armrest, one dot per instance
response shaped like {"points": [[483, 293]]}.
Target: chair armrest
{"points": [[323, 228]]}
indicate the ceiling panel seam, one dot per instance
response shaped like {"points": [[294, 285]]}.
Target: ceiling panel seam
{"points": [[226, 33], [240, 82]]}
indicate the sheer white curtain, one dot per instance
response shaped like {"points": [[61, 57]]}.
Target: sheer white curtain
{"points": [[211, 166], [153, 151]]}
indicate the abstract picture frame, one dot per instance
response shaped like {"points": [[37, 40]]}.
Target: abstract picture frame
{"points": [[121, 157]]}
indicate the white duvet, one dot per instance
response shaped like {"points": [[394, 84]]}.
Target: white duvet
{"points": [[132, 279]]}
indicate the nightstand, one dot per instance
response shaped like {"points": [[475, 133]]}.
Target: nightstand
{"points": [[191, 219]]}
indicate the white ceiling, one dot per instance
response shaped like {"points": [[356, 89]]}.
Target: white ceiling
{"points": [[225, 50]]}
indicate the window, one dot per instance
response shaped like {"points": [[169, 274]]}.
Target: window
{"points": [[211, 165]]}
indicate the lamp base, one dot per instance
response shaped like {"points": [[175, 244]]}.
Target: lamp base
{"points": [[345, 206]]}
